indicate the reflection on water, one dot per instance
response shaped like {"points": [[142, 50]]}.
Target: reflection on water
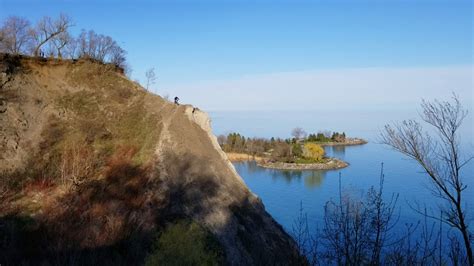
{"points": [[335, 151], [252, 167], [339, 151], [314, 179], [287, 175], [283, 191]]}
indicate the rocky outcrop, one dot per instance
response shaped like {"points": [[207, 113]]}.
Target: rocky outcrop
{"points": [[230, 211]]}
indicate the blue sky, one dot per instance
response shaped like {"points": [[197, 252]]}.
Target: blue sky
{"points": [[203, 49]]}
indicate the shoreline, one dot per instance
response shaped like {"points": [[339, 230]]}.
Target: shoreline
{"points": [[351, 142], [331, 164], [243, 157]]}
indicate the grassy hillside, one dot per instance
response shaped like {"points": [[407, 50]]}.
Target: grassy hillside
{"points": [[95, 170]]}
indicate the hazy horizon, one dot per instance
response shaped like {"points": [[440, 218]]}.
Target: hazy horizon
{"points": [[303, 55]]}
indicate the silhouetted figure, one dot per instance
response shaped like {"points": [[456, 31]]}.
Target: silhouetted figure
{"points": [[194, 110], [176, 100]]}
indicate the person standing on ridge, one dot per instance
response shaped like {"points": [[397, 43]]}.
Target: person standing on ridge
{"points": [[176, 100]]}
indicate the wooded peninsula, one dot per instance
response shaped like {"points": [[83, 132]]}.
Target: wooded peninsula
{"points": [[301, 152]]}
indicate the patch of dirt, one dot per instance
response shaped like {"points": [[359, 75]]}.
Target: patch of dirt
{"points": [[61, 122]]}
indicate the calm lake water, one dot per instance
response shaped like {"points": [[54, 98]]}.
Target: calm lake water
{"points": [[283, 191]]}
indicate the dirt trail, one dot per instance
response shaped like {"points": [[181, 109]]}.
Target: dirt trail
{"points": [[54, 103], [165, 135]]}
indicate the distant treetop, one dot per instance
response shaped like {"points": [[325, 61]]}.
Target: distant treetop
{"points": [[50, 37]]}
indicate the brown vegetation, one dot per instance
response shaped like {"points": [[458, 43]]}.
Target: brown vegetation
{"points": [[239, 157], [116, 206], [87, 223], [94, 167]]}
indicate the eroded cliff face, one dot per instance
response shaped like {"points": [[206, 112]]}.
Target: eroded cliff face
{"points": [[231, 211], [107, 148]]}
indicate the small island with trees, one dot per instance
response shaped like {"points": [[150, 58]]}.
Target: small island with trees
{"points": [[301, 152]]}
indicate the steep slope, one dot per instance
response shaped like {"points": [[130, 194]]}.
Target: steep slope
{"points": [[90, 160]]}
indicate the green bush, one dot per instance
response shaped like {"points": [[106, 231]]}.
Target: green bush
{"points": [[185, 243], [313, 151], [297, 150]]}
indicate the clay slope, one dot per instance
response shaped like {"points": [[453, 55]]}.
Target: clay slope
{"points": [[87, 151]]}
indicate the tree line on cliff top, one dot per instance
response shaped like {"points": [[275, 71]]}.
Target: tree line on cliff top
{"points": [[51, 37]]}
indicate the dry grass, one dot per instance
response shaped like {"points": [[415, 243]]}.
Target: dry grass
{"points": [[122, 200], [38, 185], [86, 185], [102, 121], [102, 218], [104, 212], [77, 163], [240, 157]]}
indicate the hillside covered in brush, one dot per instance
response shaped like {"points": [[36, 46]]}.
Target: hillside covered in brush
{"points": [[95, 170]]}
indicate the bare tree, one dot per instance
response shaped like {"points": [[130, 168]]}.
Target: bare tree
{"points": [[84, 43], [381, 219], [60, 41], [357, 229], [439, 156], [298, 133], [77, 164], [14, 35], [47, 29], [306, 244], [221, 139], [102, 48], [72, 48], [150, 77], [117, 56]]}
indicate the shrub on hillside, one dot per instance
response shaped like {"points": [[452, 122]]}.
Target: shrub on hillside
{"points": [[77, 163], [185, 243]]}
